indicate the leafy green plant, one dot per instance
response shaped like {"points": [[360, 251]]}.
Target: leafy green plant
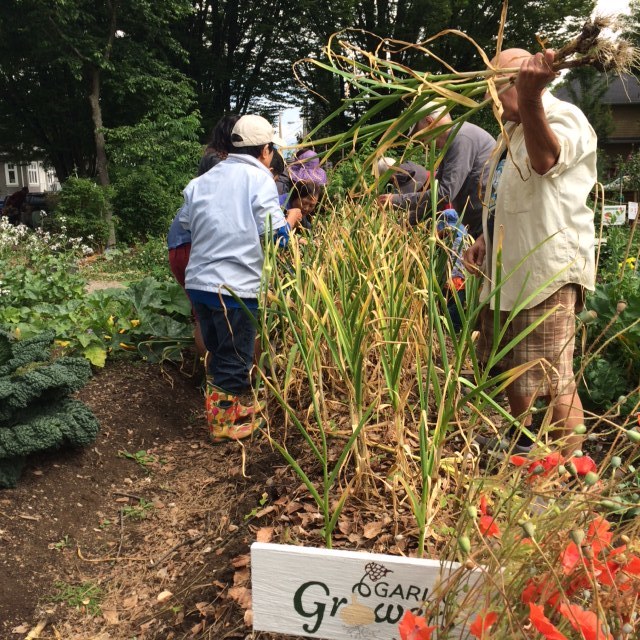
{"points": [[264, 498], [611, 359], [64, 543], [144, 204], [139, 511], [81, 211], [36, 413], [150, 318], [85, 596], [142, 458]]}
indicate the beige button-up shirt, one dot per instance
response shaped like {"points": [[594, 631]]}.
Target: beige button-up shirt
{"points": [[547, 230]]}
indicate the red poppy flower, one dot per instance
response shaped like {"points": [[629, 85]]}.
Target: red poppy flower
{"points": [[570, 558], [548, 463], [541, 591], [414, 627], [584, 465], [633, 566], [598, 535], [488, 527], [481, 625], [586, 622], [518, 461], [483, 505], [531, 592], [543, 624]]}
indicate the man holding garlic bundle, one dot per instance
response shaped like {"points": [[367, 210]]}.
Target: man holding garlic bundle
{"points": [[541, 174]]}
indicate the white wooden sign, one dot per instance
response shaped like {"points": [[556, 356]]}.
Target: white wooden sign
{"points": [[632, 209], [342, 595], [615, 214]]}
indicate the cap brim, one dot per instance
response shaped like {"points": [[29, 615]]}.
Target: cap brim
{"points": [[279, 142]]}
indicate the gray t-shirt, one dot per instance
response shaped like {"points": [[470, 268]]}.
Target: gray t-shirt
{"points": [[462, 179]]}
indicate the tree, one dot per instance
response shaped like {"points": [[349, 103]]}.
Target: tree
{"points": [[95, 64], [586, 88], [631, 24], [413, 21], [240, 55]]}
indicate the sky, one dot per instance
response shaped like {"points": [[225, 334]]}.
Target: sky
{"points": [[611, 7], [292, 123]]}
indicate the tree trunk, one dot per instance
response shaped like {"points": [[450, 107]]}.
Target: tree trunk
{"points": [[102, 170]]}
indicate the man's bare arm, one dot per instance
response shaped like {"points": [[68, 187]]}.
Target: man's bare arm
{"points": [[543, 147]]}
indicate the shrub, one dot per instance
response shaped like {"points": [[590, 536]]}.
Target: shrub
{"points": [[612, 359], [81, 211], [144, 205]]}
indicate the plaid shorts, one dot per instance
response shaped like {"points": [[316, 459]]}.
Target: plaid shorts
{"points": [[548, 348]]}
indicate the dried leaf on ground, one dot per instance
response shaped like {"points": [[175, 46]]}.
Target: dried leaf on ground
{"points": [[130, 602], [163, 596], [111, 616], [241, 576], [241, 595], [23, 628], [372, 529], [241, 561], [345, 527], [205, 609], [264, 534], [265, 511]]}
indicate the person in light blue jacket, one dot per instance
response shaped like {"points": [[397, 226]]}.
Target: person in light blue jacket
{"points": [[229, 210], [179, 238]]}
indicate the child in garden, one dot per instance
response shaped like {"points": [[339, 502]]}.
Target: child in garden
{"points": [[304, 196], [179, 239], [228, 211], [304, 167]]}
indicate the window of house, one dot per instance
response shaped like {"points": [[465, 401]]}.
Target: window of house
{"points": [[11, 173], [32, 173], [51, 179]]}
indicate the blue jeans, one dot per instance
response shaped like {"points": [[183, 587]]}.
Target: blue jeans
{"points": [[452, 307], [229, 335]]}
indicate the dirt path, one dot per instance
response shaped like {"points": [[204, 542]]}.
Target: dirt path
{"points": [[146, 533], [100, 530], [96, 285]]}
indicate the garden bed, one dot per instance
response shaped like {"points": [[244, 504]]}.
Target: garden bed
{"points": [[70, 559], [92, 538]]}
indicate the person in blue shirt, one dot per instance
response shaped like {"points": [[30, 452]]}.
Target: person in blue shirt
{"points": [[179, 238], [229, 210], [456, 238]]}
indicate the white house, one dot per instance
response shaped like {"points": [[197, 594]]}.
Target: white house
{"points": [[34, 175]]}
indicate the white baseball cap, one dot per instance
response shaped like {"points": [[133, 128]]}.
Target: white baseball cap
{"points": [[255, 131], [384, 164]]}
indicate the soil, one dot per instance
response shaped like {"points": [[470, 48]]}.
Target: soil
{"points": [[90, 539], [145, 534]]}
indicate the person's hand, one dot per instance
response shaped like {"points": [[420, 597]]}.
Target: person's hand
{"points": [[535, 74], [385, 199], [474, 256], [294, 217]]}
